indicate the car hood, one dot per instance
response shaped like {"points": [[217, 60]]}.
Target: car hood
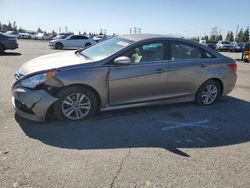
{"points": [[51, 61]]}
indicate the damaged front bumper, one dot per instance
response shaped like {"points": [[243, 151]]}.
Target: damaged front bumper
{"points": [[32, 104]]}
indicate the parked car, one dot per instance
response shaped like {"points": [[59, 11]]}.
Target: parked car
{"points": [[237, 47], [42, 36], [225, 46], [61, 36], [24, 36], [14, 34], [72, 41], [241, 45], [27, 35], [99, 38], [209, 43], [7, 43], [121, 72]]}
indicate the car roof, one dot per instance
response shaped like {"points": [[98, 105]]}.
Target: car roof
{"points": [[144, 37], [139, 37]]}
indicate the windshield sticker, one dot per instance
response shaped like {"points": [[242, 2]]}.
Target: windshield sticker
{"points": [[122, 43]]}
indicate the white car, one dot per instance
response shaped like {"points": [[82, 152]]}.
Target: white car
{"points": [[237, 48], [12, 34], [27, 35], [99, 38], [42, 36], [72, 41], [225, 46]]}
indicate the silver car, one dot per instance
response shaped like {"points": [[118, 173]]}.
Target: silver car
{"points": [[225, 46], [121, 72]]}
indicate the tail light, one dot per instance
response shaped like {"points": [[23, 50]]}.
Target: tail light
{"points": [[233, 67]]}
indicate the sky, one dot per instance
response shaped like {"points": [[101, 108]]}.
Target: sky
{"points": [[181, 17]]}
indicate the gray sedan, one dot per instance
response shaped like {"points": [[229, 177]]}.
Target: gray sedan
{"points": [[125, 71], [7, 43]]}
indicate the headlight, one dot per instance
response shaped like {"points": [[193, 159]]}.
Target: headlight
{"points": [[33, 81]]}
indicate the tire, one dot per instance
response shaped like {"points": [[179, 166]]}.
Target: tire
{"points": [[83, 107], [59, 45], [206, 95], [87, 44], [2, 49]]}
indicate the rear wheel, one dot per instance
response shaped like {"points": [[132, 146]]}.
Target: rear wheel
{"points": [[59, 45], [208, 93], [75, 103], [2, 49]]}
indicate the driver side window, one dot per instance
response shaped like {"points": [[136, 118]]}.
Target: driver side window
{"points": [[146, 53]]}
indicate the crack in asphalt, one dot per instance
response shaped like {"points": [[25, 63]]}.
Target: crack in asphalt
{"points": [[120, 168]]}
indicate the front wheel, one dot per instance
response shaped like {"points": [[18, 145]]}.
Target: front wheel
{"points": [[208, 93], [75, 103], [58, 45]]}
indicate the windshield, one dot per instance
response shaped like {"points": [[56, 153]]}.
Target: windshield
{"points": [[106, 48]]}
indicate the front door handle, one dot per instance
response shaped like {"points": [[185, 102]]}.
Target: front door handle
{"points": [[159, 71], [203, 65]]}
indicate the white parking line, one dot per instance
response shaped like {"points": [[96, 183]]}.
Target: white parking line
{"points": [[178, 125]]}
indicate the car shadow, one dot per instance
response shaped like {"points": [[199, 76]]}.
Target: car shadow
{"points": [[10, 54], [171, 127]]}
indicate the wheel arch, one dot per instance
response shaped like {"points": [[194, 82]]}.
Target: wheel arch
{"points": [[59, 42], [50, 112], [219, 81]]}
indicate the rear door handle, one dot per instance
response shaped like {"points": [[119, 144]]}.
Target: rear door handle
{"points": [[203, 65]]}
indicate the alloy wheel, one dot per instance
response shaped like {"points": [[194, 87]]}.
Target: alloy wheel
{"points": [[76, 106], [209, 94]]}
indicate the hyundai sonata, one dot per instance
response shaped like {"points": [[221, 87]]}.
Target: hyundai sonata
{"points": [[121, 72]]}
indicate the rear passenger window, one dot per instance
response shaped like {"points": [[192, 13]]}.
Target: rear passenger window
{"points": [[185, 51], [82, 37]]}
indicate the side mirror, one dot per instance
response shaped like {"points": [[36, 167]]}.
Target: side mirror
{"points": [[123, 60]]}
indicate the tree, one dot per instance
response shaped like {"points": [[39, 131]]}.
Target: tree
{"points": [[79, 33], [230, 36], [0, 26], [10, 26], [14, 26], [53, 32], [218, 37], [246, 35], [240, 36], [4, 27], [39, 30], [212, 37], [20, 30], [194, 38], [204, 37], [84, 33]]}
